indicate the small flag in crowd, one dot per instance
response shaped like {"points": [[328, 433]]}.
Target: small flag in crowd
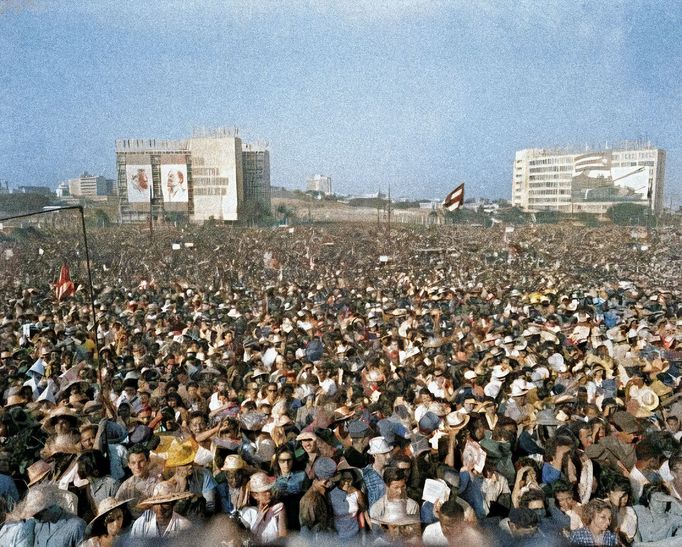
{"points": [[64, 286], [454, 199]]}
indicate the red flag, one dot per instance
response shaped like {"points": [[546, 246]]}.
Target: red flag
{"points": [[454, 199], [64, 286]]}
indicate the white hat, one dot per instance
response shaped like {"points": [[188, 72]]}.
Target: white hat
{"points": [[378, 445], [518, 388], [556, 361], [492, 388], [469, 375], [500, 371], [457, 419]]}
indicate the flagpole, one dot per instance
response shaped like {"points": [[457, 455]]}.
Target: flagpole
{"points": [[92, 295]]}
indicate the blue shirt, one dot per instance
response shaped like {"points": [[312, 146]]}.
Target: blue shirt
{"points": [[7, 488], [290, 484], [374, 484], [550, 473]]}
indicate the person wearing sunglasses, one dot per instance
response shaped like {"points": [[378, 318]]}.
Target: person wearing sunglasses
{"points": [[290, 485]]}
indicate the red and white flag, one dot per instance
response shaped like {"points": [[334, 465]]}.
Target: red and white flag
{"points": [[454, 199], [64, 286]]}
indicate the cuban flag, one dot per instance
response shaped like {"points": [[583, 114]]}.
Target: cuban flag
{"points": [[454, 199]]}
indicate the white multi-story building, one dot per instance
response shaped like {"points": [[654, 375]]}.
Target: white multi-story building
{"points": [[590, 181], [319, 183], [88, 185]]}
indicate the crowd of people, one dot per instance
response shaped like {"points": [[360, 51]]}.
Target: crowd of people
{"points": [[424, 386]]}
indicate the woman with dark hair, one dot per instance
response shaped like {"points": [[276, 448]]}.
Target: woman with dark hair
{"points": [[618, 494], [175, 402], [597, 517], [110, 526]]}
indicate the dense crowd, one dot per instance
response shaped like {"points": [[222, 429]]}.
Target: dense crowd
{"points": [[423, 386]]}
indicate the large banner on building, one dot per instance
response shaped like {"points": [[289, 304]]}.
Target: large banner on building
{"points": [[595, 178], [174, 183], [139, 183]]}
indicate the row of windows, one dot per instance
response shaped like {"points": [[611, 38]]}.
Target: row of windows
{"points": [[548, 184], [552, 161], [551, 169], [549, 192], [566, 177]]}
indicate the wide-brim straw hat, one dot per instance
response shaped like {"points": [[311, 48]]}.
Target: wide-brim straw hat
{"points": [[164, 492], [233, 462], [59, 412], [180, 454], [457, 420], [40, 497], [37, 471], [61, 444], [107, 505], [398, 517]]}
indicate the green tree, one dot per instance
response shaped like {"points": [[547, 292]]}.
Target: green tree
{"points": [[628, 214]]}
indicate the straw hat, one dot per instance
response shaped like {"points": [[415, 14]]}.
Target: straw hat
{"points": [[38, 470], [397, 515], [233, 462], [39, 498], [165, 492], [261, 482], [61, 444], [107, 505], [457, 419], [648, 401], [59, 412], [180, 454]]}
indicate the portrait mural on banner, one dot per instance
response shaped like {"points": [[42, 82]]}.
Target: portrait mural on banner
{"points": [[174, 183], [139, 183]]}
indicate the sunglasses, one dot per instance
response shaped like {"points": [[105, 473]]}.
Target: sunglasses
{"points": [[285, 460]]}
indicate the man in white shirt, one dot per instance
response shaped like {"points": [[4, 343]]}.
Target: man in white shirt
{"points": [[159, 519]]}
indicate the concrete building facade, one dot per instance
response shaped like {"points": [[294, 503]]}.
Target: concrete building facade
{"points": [[319, 183], [88, 185], [590, 181], [198, 179], [217, 175]]}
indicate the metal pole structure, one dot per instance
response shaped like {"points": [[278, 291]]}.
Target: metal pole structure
{"points": [[648, 213], [87, 261], [151, 216], [92, 295], [388, 224]]}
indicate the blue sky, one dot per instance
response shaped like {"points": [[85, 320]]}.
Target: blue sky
{"points": [[420, 94]]}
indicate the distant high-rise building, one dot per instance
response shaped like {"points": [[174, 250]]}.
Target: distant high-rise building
{"points": [[88, 185], [319, 183], [256, 170], [589, 181]]}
